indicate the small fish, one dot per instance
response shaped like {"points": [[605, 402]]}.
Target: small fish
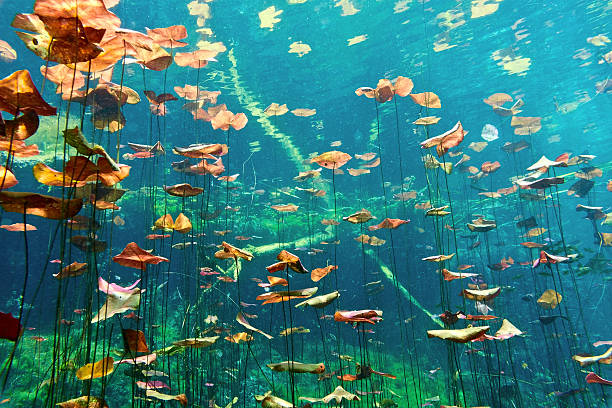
{"points": [[566, 394], [294, 330], [370, 331], [527, 297], [482, 308], [226, 371], [153, 373], [345, 357], [132, 316], [183, 245]]}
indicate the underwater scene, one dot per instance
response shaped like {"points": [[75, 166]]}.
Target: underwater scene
{"points": [[305, 203]]}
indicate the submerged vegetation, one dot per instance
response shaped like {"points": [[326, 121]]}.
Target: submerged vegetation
{"points": [[202, 215]]}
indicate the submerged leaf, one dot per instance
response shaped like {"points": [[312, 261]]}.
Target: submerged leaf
{"points": [[19, 94], [459, 335], [550, 299], [98, 369], [320, 301], [243, 321], [40, 205], [319, 273], [133, 256], [84, 402], [76, 139]]}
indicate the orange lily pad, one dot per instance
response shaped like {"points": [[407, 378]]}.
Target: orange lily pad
{"points": [[41, 205], [133, 256], [19, 94]]}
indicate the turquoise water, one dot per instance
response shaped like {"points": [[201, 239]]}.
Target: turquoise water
{"points": [[365, 156]]}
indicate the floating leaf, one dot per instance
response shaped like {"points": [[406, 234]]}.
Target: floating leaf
{"points": [[300, 49], [268, 17]]}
